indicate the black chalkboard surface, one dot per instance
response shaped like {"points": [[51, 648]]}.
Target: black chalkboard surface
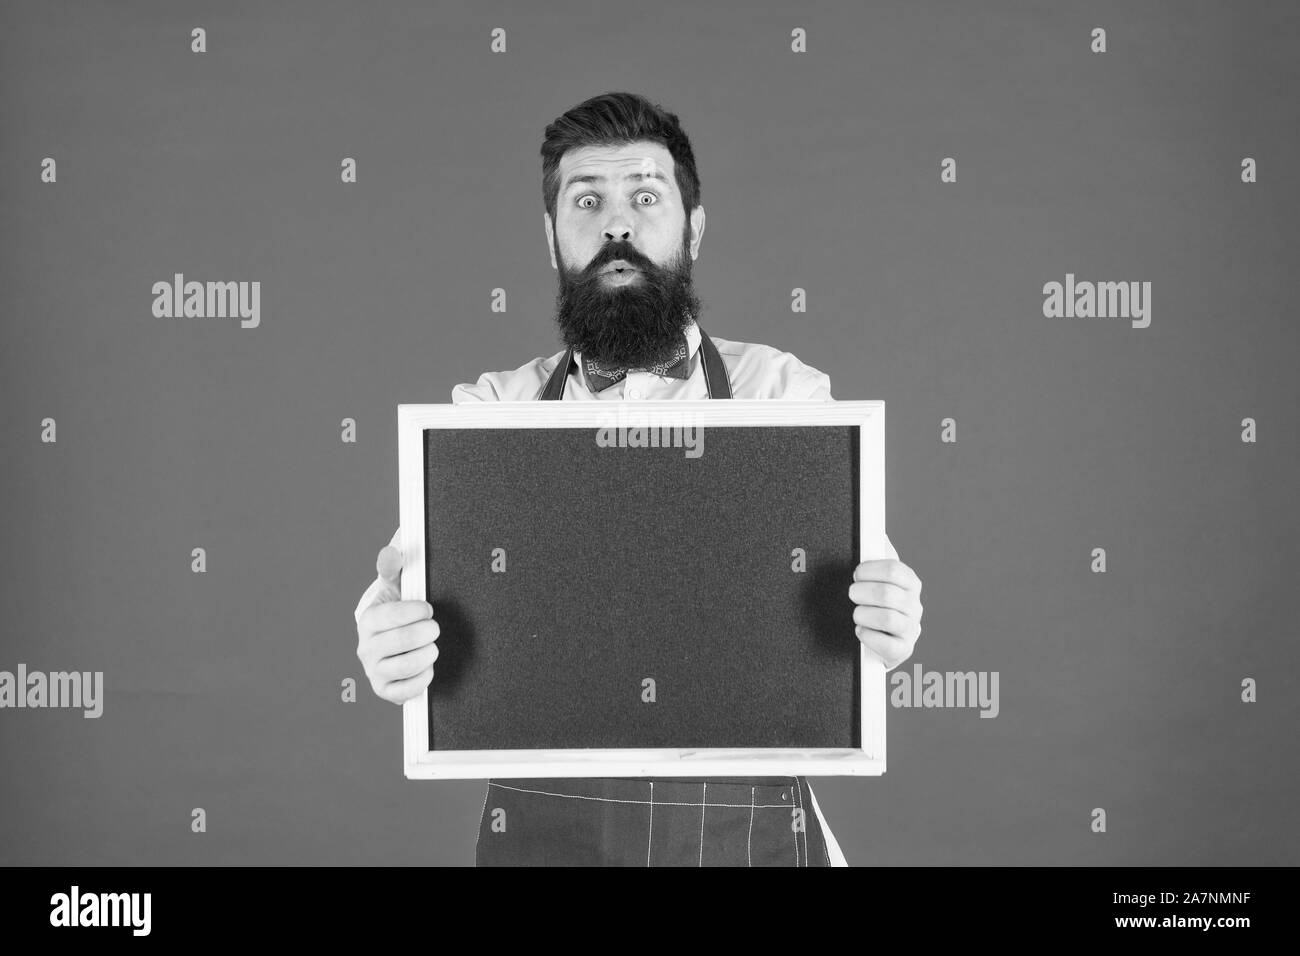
{"points": [[598, 593]]}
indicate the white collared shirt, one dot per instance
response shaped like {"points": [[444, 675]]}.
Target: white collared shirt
{"points": [[755, 371]]}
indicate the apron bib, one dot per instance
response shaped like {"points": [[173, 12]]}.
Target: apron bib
{"points": [[644, 821]]}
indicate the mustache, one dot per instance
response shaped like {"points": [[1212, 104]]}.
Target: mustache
{"points": [[614, 251]]}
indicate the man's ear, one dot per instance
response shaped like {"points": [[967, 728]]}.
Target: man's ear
{"points": [[697, 230], [550, 238]]}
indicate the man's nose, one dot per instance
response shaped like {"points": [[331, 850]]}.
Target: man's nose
{"points": [[618, 232]]}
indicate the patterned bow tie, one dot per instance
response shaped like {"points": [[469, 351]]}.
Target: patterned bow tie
{"points": [[601, 377]]}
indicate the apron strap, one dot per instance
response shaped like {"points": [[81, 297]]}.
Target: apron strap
{"points": [[554, 390], [715, 373], [715, 370]]}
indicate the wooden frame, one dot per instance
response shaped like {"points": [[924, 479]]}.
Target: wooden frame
{"points": [[421, 762]]}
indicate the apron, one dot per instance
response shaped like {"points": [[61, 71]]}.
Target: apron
{"points": [[650, 821]]}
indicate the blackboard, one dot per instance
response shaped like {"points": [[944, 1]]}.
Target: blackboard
{"points": [[638, 578]]}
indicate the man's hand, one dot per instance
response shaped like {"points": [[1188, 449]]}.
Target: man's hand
{"points": [[887, 617], [395, 638]]}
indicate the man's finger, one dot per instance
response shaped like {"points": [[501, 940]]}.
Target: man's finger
{"points": [[889, 571], [405, 666], [386, 615], [399, 691], [880, 594], [889, 650], [399, 640], [389, 566], [883, 619]]}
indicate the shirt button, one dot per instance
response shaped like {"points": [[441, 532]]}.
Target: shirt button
{"points": [[634, 392]]}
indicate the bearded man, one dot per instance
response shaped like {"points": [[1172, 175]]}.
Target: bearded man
{"points": [[624, 225]]}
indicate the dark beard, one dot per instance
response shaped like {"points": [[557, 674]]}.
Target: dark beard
{"points": [[632, 325]]}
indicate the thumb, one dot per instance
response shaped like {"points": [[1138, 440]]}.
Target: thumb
{"points": [[389, 566]]}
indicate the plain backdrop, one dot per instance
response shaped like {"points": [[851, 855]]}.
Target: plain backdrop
{"points": [[819, 171]]}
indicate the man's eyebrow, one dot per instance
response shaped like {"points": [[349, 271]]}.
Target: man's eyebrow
{"points": [[591, 178]]}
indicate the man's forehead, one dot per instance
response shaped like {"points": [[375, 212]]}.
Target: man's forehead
{"points": [[616, 163]]}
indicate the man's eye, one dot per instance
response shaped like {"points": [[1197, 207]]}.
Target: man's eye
{"points": [[582, 200]]}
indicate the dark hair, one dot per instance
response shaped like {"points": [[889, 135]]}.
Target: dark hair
{"points": [[615, 119]]}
